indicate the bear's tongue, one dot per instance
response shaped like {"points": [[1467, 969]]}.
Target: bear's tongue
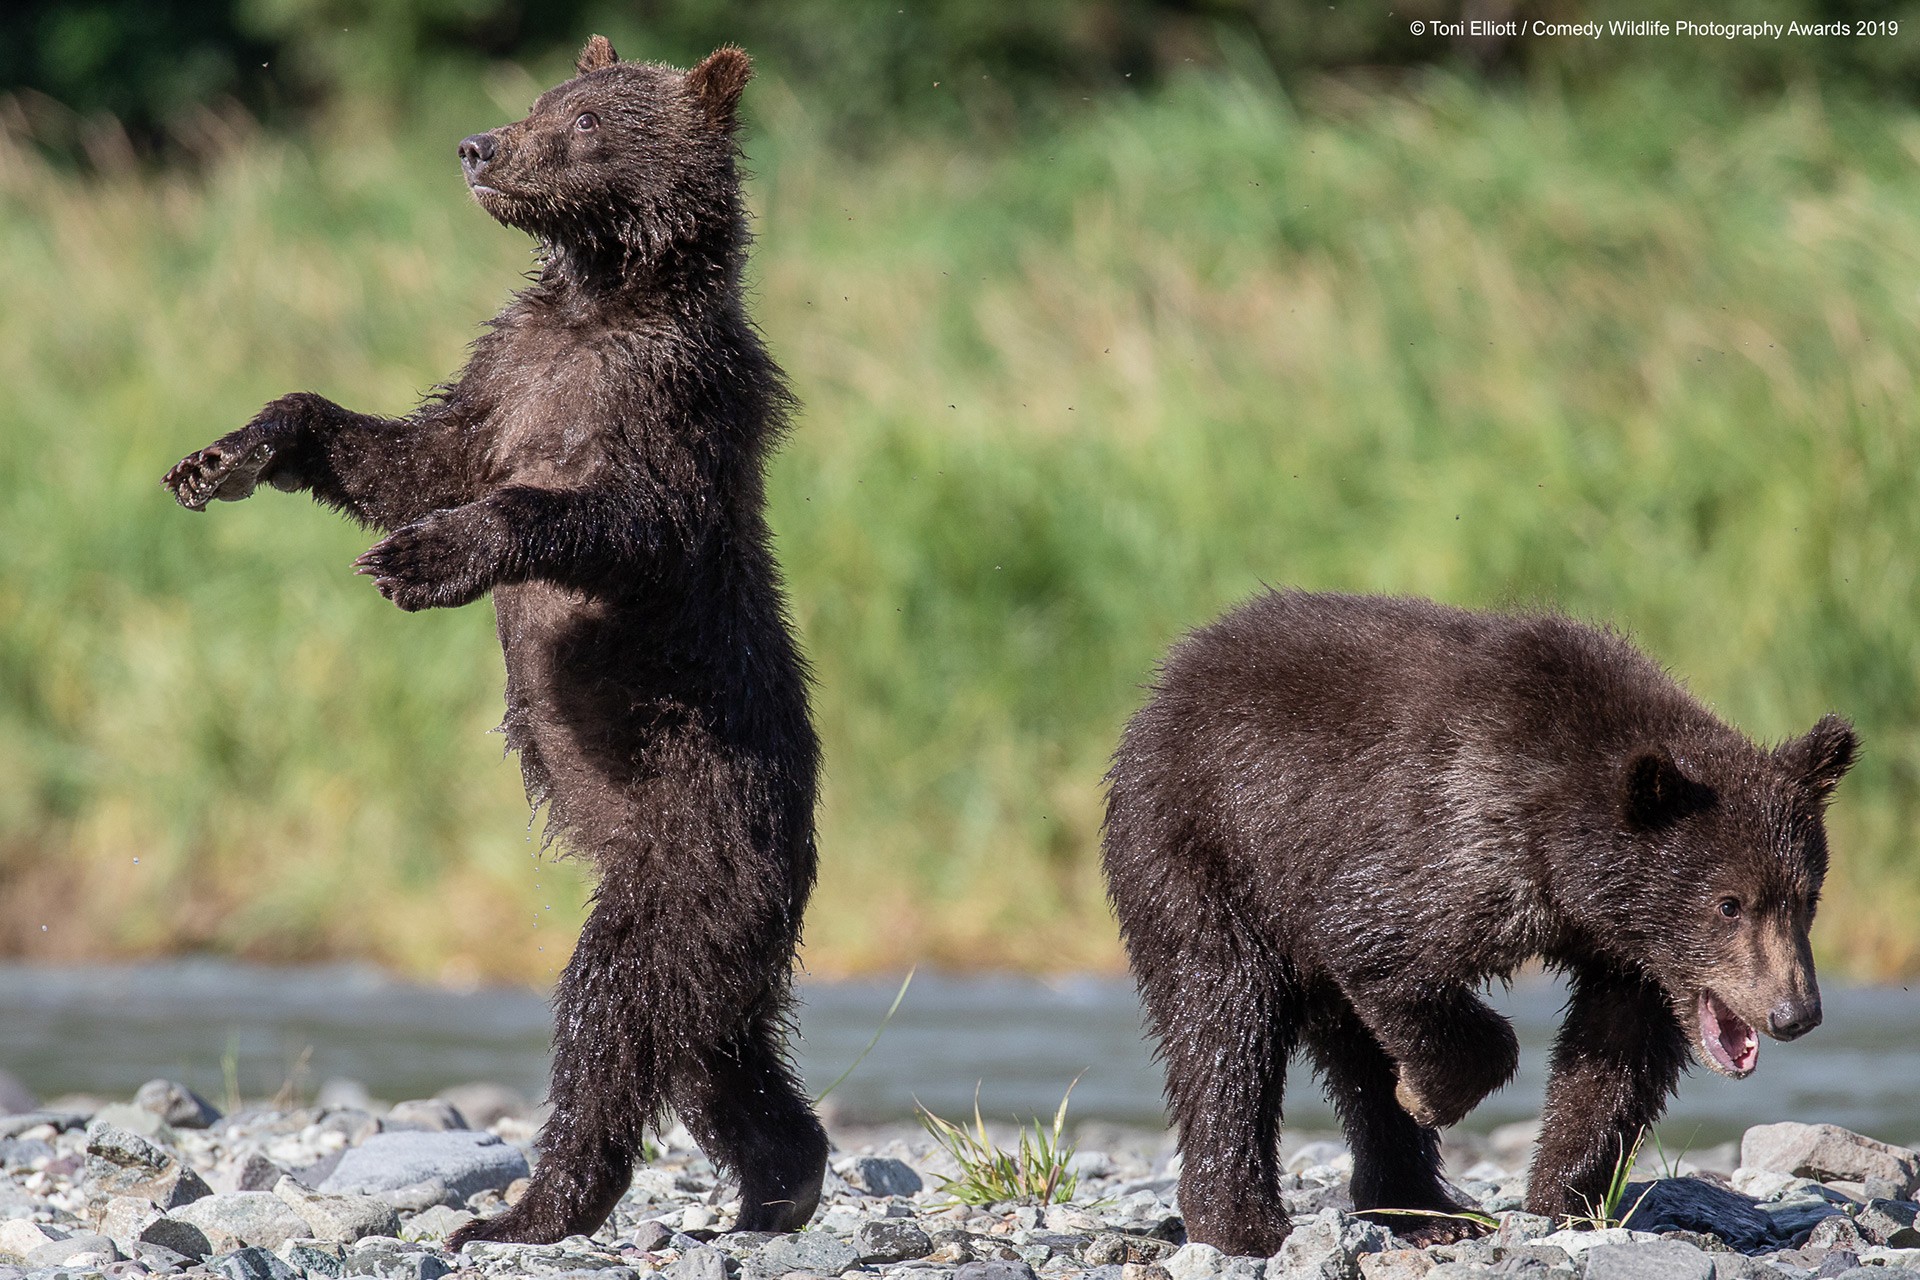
{"points": [[1731, 1043]]}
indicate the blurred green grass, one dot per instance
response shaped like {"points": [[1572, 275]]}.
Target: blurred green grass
{"points": [[1647, 353]]}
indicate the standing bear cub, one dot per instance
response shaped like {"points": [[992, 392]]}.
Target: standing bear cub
{"points": [[1338, 817], [598, 468]]}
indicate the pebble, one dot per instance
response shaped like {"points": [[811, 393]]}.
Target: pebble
{"points": [[1826, 1152], [432, 1115], [353, 1191], [176, 1105], [461, 1162], [235, 1219]]}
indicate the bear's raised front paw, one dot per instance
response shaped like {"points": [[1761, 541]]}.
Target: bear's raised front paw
{"points": [[228, 469], [429, 564], [1414, 1105]]}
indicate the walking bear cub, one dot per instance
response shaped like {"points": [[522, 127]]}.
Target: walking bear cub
{"points": [[597, 467], [1339, 816]]}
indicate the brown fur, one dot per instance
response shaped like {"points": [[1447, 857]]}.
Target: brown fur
{"points": [[597, 467], [1339, 816]]}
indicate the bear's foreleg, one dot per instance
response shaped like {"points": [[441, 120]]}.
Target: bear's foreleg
{"points": [[573, 537], [1616, 1061], [1451, 1050], [1396, 1160], [383, 472]]}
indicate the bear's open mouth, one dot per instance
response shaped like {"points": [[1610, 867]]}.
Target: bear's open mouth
{"points": [[1733, 1048]]}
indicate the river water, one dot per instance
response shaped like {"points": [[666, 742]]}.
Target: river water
{"points": [[105, 1030]]}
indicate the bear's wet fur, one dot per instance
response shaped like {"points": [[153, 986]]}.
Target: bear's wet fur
{"points": [[598, 468], [1338, 817]]}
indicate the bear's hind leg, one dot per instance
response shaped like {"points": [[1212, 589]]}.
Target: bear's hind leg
{"points": [[605, 1082], [741, 1102], [1396, 1160], [1224, 1009]]}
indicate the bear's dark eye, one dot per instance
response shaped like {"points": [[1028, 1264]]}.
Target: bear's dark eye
{"points": [[587, 122], [1730, 908]]}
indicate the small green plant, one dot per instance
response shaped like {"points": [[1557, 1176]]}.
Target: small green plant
{"points": [[1036, 1170], [1607, 1213], [878, 1031], [1670, 1166]]}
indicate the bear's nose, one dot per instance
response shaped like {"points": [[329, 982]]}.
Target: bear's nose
{"points": [[476, 153], [1791, 1019]]}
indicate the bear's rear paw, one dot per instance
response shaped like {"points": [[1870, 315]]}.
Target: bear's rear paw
{"points": [[1420, 1230], [526, 1223]]}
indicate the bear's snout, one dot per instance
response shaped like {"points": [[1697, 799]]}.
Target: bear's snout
{"points": [[476, 153], [1793, 1018]]}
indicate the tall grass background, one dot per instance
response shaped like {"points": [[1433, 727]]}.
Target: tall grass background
{"points": [[1647, 354]]}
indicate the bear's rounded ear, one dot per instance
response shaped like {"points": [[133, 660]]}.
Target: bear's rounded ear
{"points": [[718, 82], [1657, 792], [1823, 755], [597, 55]]}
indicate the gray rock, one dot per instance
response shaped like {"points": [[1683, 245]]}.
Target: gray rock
{"points": [[1655, 1260], [313, 1258], [131, 1221], [702, 1263], [1835, 1232], [1313, 1250], [651, 1235], [82, 1252], [1118, 1248], [338, 1218], [997, 1270], [234, 1220], [881, 1176], [15, 1097], [136, 1119], [436, 1223], [120, 1163], [1697, 1204], [252, 1264], [160, 1259], [889, 1240], [484, 1104], [176, 1105], [464, 1162], [1194, 1262], [430, 1115], [253, 1172], [24, 1153], [60, 1121], [815, 1251], [1395, 1264], [1889, 1222], [1828, 1153]]}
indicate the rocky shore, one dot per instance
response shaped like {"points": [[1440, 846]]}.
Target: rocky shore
{"points": [[166, 1185]]}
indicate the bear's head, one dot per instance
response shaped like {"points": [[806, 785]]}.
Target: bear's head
{"points": [[620, 162], [1727, 846]]}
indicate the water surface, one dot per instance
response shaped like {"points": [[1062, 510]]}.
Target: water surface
{"points": [[105, 1030]]}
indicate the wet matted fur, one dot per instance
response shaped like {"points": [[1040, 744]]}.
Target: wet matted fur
{"points": [[597, 467], [1338, 816]]}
